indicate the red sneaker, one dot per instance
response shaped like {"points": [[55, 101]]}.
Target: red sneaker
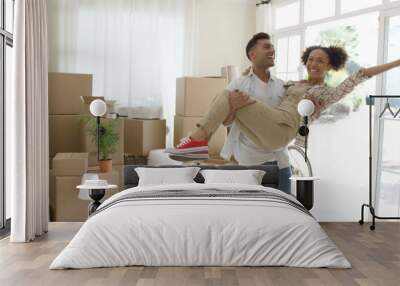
{"points": [[189, 145]]}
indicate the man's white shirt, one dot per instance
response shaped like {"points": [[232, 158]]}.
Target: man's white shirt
{"points": [[237, 143]]}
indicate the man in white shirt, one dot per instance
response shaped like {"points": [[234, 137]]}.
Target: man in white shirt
{"points": [[259, 85], [262, 86]]}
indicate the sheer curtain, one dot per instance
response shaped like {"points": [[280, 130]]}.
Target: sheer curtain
{"points": [[135, 49], [27, 136]]}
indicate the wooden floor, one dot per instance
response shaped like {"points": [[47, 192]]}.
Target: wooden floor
{"points": [[375, 257]]}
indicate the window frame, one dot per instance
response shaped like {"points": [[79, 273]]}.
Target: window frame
{"points": [[386, 9], [285, 3], [292, 33], [6, 39], [379, 123]]}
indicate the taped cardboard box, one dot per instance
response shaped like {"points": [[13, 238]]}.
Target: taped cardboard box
{"points": [[64, 134], [88, 146], [194, 95], [70, 164], [183, 125], [65, 90], [144, 135], [68, 206]]}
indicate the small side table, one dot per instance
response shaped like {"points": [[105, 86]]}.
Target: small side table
{"points": [[96, 193], [305, 190]]}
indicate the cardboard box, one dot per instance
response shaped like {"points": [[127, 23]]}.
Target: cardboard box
{"points": [[119, 169], [135, 160], [68, 207], [65, 90], [144, 135], [70, 164], [64, 134], [90, 147], [194, 95], [184, 125]]}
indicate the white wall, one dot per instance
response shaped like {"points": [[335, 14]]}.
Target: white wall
{"points": [[223, 30]]}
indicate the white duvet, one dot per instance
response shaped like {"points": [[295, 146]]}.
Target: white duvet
{"points": [[193, 231]]}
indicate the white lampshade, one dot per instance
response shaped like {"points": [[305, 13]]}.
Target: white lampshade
{"points": [[305, 107], [98, 107]]}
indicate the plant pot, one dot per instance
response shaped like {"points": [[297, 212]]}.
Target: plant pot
{"points": [[105, 166]]}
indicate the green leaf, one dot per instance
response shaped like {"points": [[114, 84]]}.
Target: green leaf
{"points": [[108, 141]]}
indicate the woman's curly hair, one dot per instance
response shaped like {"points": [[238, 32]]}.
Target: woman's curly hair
{"points": [[337, 55]]}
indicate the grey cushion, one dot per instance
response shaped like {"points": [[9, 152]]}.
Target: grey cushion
{"points": [[270, 179]]}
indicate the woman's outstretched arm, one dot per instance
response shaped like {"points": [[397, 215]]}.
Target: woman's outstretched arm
{"points": [[329, 96], [375, 70]]}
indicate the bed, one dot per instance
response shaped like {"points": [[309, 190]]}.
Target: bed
{"points": [[198, 224]]}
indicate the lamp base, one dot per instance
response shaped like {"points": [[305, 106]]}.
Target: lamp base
{"points": [[305, 193], [96, 195]]}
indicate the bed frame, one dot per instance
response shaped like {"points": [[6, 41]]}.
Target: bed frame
{"points": [[270, 179]]}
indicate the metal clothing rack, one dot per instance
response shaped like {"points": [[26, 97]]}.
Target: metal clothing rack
{"points": [[369, 205]]}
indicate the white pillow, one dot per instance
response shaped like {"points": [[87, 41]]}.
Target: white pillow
{"points": [[165, 176], [248, 177]]}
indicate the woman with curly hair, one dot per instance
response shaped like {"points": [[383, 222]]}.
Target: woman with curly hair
{"points": [[273, 128]]}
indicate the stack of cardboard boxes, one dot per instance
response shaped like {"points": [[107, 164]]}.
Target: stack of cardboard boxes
{"points": [[65, 107], [72, 152], [65, 204], [69, 99], [194, 95]]}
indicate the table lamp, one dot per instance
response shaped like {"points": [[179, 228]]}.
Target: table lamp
{"points": [[98, 108], [305, 108]]}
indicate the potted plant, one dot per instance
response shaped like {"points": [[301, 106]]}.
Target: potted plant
{"points": [[108, 140]]}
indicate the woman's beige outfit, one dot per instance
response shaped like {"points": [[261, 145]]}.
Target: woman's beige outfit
{"points": [[273, 128]]}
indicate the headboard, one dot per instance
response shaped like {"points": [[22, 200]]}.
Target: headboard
{"points": [[270, 179]]}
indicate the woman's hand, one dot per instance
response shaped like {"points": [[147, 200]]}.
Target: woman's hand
{"points": [[318, 107], [238, 100]]}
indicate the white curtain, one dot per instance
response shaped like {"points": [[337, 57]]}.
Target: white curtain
{"points": [[27, 135], [135, 49]]}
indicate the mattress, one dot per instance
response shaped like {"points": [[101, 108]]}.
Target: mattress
{"points": [[201, 225]]}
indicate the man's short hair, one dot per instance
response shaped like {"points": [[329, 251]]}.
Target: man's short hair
{"points": [[253, 41]]}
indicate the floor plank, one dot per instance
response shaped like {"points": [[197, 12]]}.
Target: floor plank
{"points": [[374, 255]]}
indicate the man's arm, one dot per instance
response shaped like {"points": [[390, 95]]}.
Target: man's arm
{"points": [[232, 86], [237, 100]]}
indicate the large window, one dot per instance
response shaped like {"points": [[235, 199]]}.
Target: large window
{"points": [[6, 43], [288, 14], [339, 139], [388, 171], [318, 9], [348, 6], [288, 57]]}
